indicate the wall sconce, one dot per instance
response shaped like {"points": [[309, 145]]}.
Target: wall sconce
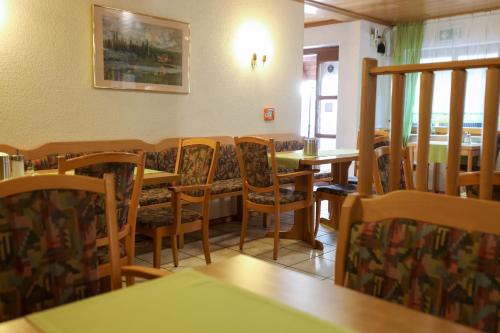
{"points": [[254, 60]]}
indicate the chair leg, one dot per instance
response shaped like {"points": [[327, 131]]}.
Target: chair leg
{"points": [[157, 238], [264, 220], [317, 217], [175, 251], [244, 225], [276, 232], [206, 245], [181, 241]]}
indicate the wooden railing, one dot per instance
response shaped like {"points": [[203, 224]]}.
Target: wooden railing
{"points": [[458, 84]]}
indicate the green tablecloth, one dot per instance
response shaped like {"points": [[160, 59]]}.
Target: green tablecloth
{"points": [[187, 301], [438, 151], [291, 159]]}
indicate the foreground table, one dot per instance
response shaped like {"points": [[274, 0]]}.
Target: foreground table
{"points": [[340, 161], [343, 307]]}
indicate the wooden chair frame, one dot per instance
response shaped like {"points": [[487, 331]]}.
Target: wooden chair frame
{"points": [[180, 196], [127, 234], [275, 209], [444, 210], [407, 167], [103, 186]]}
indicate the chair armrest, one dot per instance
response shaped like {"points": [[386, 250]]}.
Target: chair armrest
{"points": [[143, 272], [187, 188], [297, 173]]}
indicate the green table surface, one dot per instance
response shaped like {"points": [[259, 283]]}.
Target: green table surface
{"points": [[291, 159], [187, 301], [438, 151]]}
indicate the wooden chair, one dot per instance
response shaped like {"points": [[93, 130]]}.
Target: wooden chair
{"points": [[381, 162], [196, 162], [261, 185], [425, 251], [127, 189], [470, 180], [49, 245]]}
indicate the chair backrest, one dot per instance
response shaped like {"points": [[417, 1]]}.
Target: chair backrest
{"points": [[381, 170], [48, 251], [370, 72], [127, 190], [470, 180], [257, 160], [433, 253], [196, 162]]}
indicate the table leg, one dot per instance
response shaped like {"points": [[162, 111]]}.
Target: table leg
{"points": [[470, 159], [435, 178]]}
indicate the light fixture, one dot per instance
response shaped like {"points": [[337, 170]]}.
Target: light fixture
{"points": [[254, 60], [3, 12]]}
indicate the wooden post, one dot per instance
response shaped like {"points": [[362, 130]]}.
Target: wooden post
{"points": [[490, 126], [458, 79], [397, 112], [367, 127], [424, 129]]}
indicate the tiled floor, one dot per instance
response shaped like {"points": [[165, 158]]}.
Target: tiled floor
{"points": [[224, 240]]}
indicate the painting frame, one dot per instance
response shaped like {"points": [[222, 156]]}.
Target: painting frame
{"points": [[129, 61]]}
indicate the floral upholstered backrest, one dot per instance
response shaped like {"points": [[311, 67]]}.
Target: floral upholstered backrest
{"points": [[227, 163], [194, 166], [124, 184], [450, 273], [383, 169], [256, 164], [288, 145], [163, 160], [48, 255]]}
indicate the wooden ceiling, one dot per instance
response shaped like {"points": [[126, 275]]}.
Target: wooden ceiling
{"points": [[390, 12]]}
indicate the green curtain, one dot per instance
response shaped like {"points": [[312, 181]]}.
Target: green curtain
{"points": [[409, 38]]}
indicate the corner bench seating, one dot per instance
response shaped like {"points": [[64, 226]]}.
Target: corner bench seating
{"points": [[160, 156]]}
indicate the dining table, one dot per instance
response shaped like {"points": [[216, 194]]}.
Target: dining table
{"points": [[240, 294], [340, 161]]}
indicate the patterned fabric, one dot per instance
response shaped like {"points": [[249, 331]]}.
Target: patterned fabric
{"points": [[194, 166], [47, 162], [163, 160], [48, 255], [442, 271], [473, 192], [124, 183], [338, 189], [153, 217], [154, 196], [383, 167], [288, 145], [103, 253], [286, 196], [227, 164], [256, 164], [227, 186]]}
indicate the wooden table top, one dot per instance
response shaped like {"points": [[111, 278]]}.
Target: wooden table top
{"points": [[324, 157], [344, 307]]}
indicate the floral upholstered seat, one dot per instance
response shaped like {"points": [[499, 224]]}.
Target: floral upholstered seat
{"points": [[154, 196], [450, 273], [159, 216], [227, 186], [286, 196], [43, 267]]}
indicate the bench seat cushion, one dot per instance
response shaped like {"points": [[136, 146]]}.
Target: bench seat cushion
{"points": [[227, 186], [154, 195], [286, 196], [153, 217]]}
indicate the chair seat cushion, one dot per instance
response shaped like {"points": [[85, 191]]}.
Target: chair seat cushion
{"points": [[286, 196], [338, 189], [152, 217], [227, 186], [154, 196]]}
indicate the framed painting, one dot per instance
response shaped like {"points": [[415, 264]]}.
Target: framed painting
{"points": [[140, 52]]}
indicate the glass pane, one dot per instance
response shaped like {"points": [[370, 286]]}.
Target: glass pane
{"points": [[327, 121], [329, 78], [308, 94]]}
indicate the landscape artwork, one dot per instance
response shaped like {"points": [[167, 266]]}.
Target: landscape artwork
{"points": [[140, 52]]}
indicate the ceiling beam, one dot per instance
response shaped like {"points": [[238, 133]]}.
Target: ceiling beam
{"points": [[320, 23], [344, 12]]}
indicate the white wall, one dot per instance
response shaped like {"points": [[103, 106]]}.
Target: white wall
{"points": [[353, 39], [46, 91]]}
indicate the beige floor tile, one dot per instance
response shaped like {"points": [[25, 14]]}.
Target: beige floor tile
{"points": [[329, 239], [227, 240], [283, 242], [185, 263], [285, 256], [306, 248], [254, 248], [221, 254], [329, 255], [318, 266], [305, 273], [271, 261], [166, 256], [196, 248]]}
